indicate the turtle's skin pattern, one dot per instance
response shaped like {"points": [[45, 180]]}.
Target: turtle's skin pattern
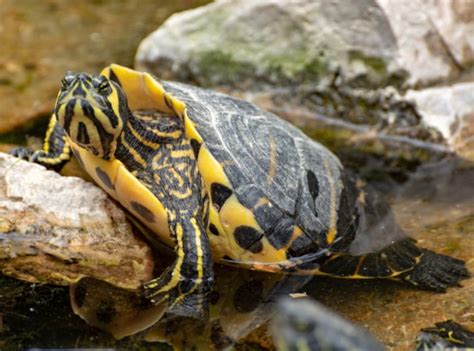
{"points": [[447, 335], [212, 174], [306, 325]]}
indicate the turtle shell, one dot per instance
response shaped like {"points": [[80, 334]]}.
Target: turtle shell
{"points": [[275, 196]]}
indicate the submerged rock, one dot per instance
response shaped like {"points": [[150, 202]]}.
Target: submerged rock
{"points": [[56, 230]]}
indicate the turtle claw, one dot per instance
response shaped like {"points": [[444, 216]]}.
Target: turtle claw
{"points": [[436, 272], [445, 335], [189, 304], [22, 153]]}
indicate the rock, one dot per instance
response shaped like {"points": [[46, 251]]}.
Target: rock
{"points": [[371, 43], [438, 32], [271, 41], [451, 111], [56, 229], [327, 59]]}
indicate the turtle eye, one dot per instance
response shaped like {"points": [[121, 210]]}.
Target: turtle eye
{"points": [[103, 87], [67, 80]]}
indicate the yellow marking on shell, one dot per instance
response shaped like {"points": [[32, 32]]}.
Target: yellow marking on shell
{"points": [[127, 188], [143, 90], [331, 235], [273, 160], [332, 232], [211, 170], [190, 129], [233, 215]]}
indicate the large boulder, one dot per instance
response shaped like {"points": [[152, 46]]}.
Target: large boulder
{"points": [[353, 61], [272, 41], [56, 229]]}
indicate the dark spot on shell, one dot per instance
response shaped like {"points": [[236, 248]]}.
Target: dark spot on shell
{"points": [[144, 212], [106, 312], [196, 147], [80, 295], [301, 246], [249, 238], [213, 229], [104, 178], [313, 184], [219, 194], [281, 233], [248, 296], [277, 225]]}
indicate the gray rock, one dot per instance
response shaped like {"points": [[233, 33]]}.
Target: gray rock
{"points": [[273, 41], [56, 229], [451, 111], [348, 60], [435, 38], [372, 43]]}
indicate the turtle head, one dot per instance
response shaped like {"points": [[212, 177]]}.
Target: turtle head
{"points": [[92, 110]]}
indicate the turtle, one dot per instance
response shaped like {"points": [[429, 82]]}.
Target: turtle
{"points": [[305, 324], [219, 179], [446, 335]]}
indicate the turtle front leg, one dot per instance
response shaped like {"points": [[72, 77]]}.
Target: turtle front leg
{"points": [[55, 152], [187, 283]]}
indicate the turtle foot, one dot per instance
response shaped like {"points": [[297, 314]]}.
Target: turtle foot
{"points": [[444, 335], [436, 272]]}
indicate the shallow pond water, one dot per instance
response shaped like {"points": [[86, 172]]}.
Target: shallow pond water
{"points": [[433, 201]]}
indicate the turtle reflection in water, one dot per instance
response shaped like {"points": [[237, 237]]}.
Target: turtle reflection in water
{"points": [[219, 179], [241, 302], [305, 325]]}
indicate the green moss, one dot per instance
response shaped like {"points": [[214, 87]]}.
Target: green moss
{"points": [[217, 67], [377, 64]]}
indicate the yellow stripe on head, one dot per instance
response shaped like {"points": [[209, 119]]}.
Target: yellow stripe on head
{"points": [[92, 110]]}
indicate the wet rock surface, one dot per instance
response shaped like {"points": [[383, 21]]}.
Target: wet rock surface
{"points": [[56, 229]]}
